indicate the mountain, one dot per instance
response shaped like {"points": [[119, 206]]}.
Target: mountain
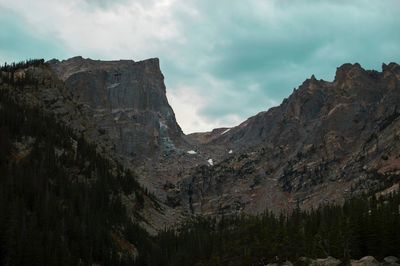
{"points": [[127, 119], [92, 161], [327, 142]]}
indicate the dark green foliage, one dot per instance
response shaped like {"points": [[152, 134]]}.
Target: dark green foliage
{"points": [[8, 73], [362, 226], [21, 65], [59, 204]]}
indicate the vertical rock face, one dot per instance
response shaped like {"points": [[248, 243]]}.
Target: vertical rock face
{"points": [[126, 101]]}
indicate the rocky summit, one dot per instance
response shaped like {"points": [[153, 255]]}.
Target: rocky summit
{"points": [[126, 100], [328, 141]]}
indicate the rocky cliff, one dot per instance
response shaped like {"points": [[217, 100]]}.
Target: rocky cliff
{"points": [[120, 106], [127, 102], [326, 142]]}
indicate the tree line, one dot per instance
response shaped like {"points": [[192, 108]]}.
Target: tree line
{"points": [[362, 226], [21, 65]]}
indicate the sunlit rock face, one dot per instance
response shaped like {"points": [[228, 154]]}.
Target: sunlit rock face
{"points": [[126, 100]]}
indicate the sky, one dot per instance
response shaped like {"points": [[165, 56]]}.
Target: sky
{"points": [[224, 60]]}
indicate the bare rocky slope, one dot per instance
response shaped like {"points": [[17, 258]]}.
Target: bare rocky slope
{"points": [[326, 142]]}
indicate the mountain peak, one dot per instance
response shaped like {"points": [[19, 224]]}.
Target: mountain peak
{"points": [[391, 67], [128, 97], [348, 70]]}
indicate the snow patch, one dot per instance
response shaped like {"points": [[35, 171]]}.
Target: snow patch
{"points": [[225, 131], [163, 125], [113, 86], [191, 152], [210, 162]]}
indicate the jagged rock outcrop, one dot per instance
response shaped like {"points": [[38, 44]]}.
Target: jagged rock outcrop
{"points": [[326, 142]]}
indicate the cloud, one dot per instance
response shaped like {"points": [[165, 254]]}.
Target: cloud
{"points": [[18, 43], [274, 45], [122, 29], [223, 60], [189, 102]]}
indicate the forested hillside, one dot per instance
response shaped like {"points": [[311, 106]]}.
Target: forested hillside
{"points": [[362, 226], [60, 200]]}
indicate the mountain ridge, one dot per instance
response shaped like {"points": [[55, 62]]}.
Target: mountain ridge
{"points": [[311, 138], [326, 142]]}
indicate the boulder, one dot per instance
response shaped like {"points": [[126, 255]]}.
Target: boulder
{"points": [[329, 261], [365, 261], [391, 261]]}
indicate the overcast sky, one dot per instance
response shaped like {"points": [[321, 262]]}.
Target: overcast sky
{"points": [[223, 60]]}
